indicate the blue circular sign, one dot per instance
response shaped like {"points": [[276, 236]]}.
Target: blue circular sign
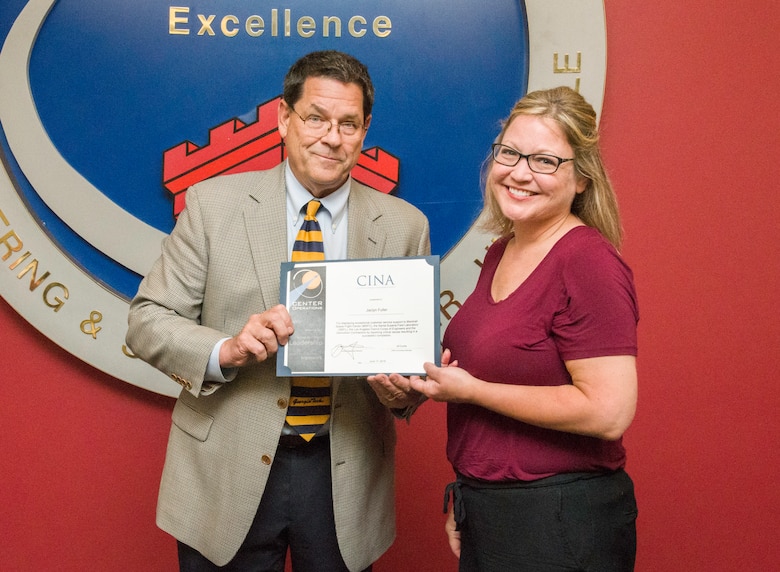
{"points": [[110, 110]]}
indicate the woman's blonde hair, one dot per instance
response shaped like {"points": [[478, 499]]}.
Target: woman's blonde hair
{"points": [[597, 205]]}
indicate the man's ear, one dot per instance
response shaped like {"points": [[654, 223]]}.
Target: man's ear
{"points": [[283, 118]]}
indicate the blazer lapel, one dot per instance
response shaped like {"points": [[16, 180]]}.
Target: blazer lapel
{"points": [[366, 237], [266, 226]]}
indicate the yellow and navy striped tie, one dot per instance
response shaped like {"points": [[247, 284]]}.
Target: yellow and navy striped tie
{"points": [[308, 243], [309, 406]]}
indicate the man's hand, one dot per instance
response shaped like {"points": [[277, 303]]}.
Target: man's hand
{"points": [[259, 339], [394, 390]]}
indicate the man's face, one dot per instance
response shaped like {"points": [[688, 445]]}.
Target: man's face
{"points": [[322, 162]]}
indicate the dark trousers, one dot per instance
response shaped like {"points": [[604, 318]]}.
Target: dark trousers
{"points": [[296, 512], [585, 525]]}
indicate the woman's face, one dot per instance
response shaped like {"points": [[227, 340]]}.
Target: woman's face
{"points": [[530, 198]]}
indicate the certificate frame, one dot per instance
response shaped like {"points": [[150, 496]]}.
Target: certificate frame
{"points": [[361, 317]]}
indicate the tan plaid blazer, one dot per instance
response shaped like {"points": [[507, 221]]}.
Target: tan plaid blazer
{"points": [[219, 265]]}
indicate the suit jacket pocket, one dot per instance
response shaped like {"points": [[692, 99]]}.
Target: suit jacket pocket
{"points": [[192, 422]]}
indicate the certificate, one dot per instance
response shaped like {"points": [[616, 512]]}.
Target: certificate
{"points": [[361, 317]]}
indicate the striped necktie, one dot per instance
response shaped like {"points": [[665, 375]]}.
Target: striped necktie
{"points": [[308, 243], [309, 406]]}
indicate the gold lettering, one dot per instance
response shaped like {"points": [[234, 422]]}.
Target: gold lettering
{"points": [[477, 261], [566, 68], [128, 353], [353, 31], [229, 32], [451, 301], [306, 27], [5, 240], [205, 24], [327, 21], [254, 26], [382, 26], [94, 318], [57, 302], [174, 19], [19, 260], [34, 280]]}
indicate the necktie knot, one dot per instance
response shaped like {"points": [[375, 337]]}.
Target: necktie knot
{"points": [[311, 209], [308, 242]]}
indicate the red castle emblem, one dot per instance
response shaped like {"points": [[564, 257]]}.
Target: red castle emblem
{"points": [[236, 147]]}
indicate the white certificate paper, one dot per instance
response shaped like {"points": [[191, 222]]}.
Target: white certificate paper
{"points": [[361, 317]]}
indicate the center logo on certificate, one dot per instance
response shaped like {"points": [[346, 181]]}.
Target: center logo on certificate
{"points": [[306, 305]]}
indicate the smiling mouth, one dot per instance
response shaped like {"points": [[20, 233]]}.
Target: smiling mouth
{"points": [[520, 193], [327, 158]]}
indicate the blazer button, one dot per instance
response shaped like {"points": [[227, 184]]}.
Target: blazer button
{"points": [[266, 459], [282, 403]]}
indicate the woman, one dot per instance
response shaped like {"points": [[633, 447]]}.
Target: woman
{"points": [[539, 363]]}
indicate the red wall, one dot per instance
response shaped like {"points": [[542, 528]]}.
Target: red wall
{"points": [[691, 95]]}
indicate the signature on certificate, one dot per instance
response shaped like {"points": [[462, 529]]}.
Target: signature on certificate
{"points": [[349, 349]]}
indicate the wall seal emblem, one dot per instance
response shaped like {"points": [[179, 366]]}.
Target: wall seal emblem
{"points": [[97, 98]]}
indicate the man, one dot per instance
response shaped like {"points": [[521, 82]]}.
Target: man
{"points": [[239, 485]]}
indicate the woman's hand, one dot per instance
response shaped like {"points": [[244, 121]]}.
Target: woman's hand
{"points": [[446, 383], [453, 536]]}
